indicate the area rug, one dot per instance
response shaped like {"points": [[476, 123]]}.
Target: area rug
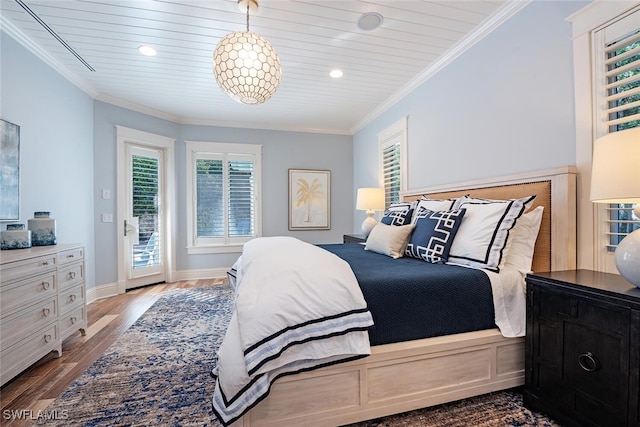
{"points": [[157, 374]]}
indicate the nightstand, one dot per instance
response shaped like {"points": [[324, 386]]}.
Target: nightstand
{"points": [[582, 363], [353, 238]]}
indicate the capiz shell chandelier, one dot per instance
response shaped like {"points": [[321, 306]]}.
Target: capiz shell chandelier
{"points": [[245, 64]]}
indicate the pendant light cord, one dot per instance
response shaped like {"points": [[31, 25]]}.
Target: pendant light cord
{"points": [[248, 14]]}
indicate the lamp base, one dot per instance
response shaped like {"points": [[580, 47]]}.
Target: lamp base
{"points": [[628, 257], [368, 224]]}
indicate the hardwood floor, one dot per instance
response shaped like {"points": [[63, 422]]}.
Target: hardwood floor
{"points": [[38, 386]]}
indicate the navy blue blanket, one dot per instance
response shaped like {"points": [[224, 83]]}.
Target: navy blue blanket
{"points": [[411, 299]]}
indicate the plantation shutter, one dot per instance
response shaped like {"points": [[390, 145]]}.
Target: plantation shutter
{"points": [[241, 196], [209, 200], [146, 188], [618, 97], [391, 171]]}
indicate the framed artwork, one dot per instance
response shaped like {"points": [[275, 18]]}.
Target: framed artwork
{"points": [[9, 171], [309, 199]]}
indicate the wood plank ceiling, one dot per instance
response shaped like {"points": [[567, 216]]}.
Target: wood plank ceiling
{"points": [[312, 37]]}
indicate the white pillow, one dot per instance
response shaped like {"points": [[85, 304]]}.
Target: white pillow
{"points": [[434, 205], [482, 237], [389, 240], [523, 241]]}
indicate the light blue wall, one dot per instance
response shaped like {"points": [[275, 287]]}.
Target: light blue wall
{"points": [[69, 155], [281, 151], [505, 106], [56, 145]]}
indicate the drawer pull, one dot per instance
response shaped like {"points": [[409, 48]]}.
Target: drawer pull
{"points": [[72, 297], [72, 275], [46, 312], [45, 262], [588, 362], [45, 285], [73, 319], [47, 338], [70, 256]]}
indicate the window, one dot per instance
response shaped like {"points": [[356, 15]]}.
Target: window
{"points": [[393, 143], [223, 185], [618, 99]]}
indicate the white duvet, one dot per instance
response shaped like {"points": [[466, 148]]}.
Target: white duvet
{"points": [[286, 320]]}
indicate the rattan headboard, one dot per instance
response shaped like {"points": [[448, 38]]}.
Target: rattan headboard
{"points": [[555, 190]]}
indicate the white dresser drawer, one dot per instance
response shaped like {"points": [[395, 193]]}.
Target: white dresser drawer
{"points": [[71, 255], [25, 292], [27, 321], [28, 267], [42, 301], [29, 350], [71, 298], [70, 275], [73, 321]]}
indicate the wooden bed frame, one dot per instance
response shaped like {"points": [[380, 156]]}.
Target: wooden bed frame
{"points": [[416, 374]]}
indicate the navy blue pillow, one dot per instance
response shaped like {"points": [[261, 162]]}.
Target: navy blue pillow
{"points": [[399, 214], [433, 234]]}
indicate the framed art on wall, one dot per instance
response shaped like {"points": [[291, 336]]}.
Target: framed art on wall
{"points": [[309, 199], [9, 171]]}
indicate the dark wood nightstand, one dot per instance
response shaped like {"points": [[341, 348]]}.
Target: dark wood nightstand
{"points": [[582, 358], [353, 238]]}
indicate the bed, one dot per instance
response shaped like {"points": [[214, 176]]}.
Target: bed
{"points": [[407, 375]]}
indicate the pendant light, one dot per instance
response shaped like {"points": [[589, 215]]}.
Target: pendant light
{"points": [[245, 64]]}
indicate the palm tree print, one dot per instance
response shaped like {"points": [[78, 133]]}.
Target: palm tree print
{"points": [[306, 194]]}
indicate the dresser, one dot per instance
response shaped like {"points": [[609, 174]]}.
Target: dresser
{"points": [[582, 358], [42, 302]]}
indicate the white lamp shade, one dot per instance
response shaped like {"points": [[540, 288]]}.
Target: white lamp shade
{"points": [[370, 199], [615, 173]]}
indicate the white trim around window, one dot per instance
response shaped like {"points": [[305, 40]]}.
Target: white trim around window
{"points": [[592, 254], [225, 152]]}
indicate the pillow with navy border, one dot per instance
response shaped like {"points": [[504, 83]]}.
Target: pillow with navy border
{"points": [[481, 241], [433, 234], [435, 205], [399, 213]]}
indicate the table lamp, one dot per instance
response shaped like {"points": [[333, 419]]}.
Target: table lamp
{"points": [[615, 178], [370, 200]]}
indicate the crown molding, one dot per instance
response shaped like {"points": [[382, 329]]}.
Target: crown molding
{"points": [[18, 35]]}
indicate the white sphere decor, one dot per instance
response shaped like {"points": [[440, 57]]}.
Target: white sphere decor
{"points": [[247, 67], [628, 257]]}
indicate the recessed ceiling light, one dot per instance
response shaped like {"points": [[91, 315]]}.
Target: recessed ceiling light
{"points": [[336, 74], [370, 21], [147, 50]]}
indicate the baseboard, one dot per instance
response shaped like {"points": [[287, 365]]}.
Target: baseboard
{"points": [[112, 289], [102, 291], [213, 273]]}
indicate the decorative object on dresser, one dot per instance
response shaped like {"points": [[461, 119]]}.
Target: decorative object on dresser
{"points": [[42, 302], [615, 178], [43, 229], [309, 199], [582, 352], [353, 238], [10, 176], [370, 200], [15, 237]]}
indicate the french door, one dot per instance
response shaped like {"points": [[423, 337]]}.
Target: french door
{"points": [[143, 205]]}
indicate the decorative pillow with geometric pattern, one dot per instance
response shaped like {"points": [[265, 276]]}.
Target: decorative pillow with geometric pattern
{"points": [[399, 213], [433, 234]]}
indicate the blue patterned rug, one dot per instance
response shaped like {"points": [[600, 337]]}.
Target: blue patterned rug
{"points": [[157, 374]]}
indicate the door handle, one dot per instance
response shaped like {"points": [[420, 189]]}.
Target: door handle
{"points": [[130, 227]]}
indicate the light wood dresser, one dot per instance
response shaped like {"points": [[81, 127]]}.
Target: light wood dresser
{"points": [[42, 302]]}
